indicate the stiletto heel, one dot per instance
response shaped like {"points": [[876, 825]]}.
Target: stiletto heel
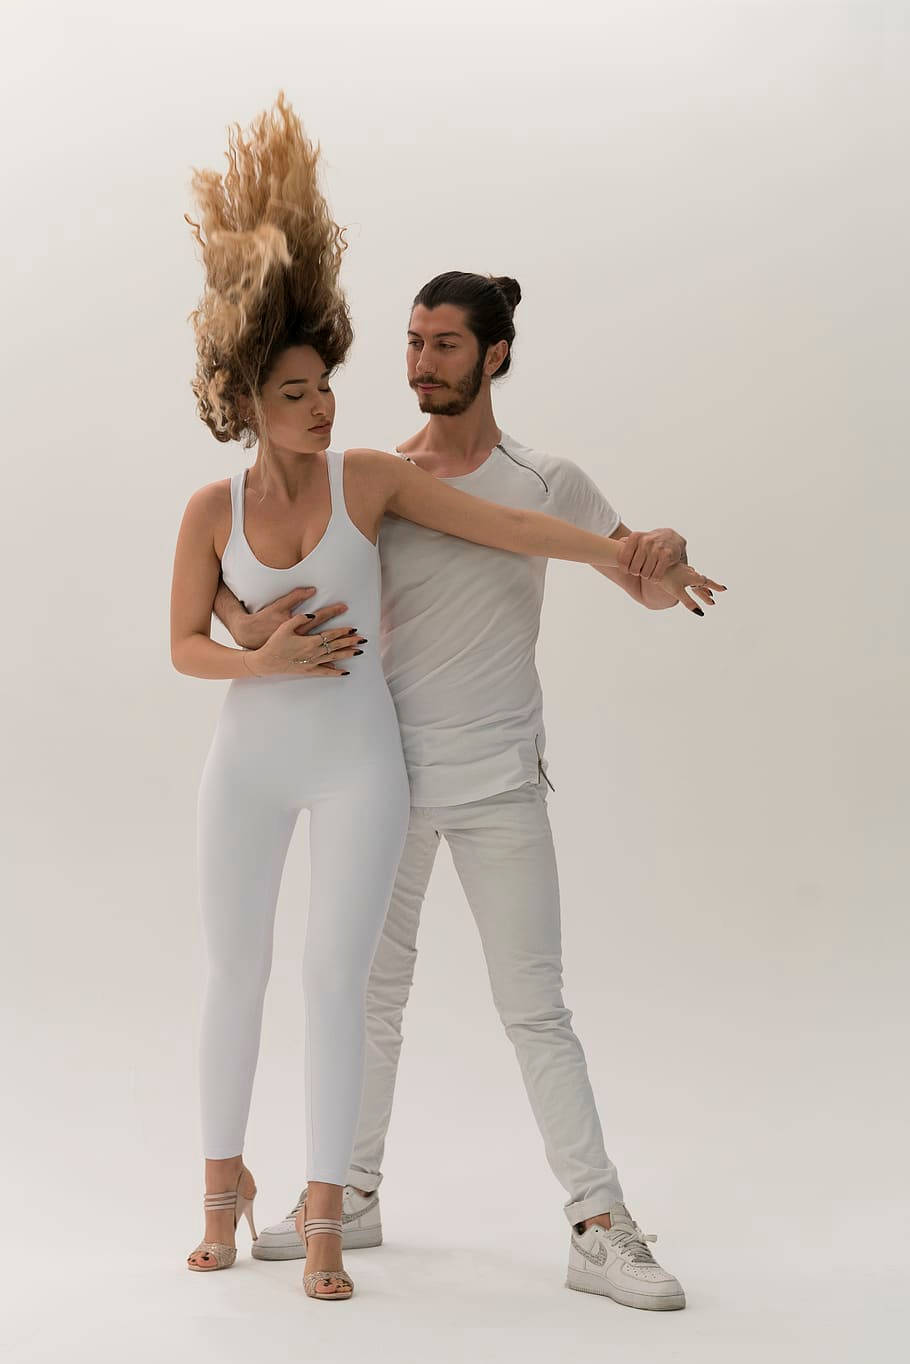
{"points": [[325, 1226], [247, 1211], [233, 1200]]}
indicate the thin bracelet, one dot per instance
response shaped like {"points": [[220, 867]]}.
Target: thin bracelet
{"points": [[245, 664]]}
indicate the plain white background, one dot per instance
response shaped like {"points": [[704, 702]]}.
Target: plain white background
{"points": [[705, 205]]}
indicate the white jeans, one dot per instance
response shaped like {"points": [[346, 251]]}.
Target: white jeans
{"points": [[502, 848]]}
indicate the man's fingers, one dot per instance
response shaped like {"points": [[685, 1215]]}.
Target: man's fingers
{"points": [[640, 557], [299, 594], [628, 544]]}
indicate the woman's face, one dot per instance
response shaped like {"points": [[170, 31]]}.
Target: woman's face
{"points": [[298, 404]]}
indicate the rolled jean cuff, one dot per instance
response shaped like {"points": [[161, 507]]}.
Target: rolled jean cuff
{"points": [[362, 1179], [326, 1175], [595, 1205]]}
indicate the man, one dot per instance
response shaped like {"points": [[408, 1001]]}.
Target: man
{"points": [[460, 624]]}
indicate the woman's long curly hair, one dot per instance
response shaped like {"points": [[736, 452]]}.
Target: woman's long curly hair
{"points": [[272, 254]]}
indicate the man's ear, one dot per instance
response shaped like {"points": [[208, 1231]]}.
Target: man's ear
{"points": [[495, 356]]}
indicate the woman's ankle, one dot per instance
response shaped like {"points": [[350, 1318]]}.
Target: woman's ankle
{"points": [[221, 1175], [324, 1200]]}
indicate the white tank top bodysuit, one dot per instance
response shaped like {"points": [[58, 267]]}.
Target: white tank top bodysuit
{"points": [[345, 721], [283, 744]]}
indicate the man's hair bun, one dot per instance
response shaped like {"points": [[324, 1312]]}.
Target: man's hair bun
{"points": [[510, 287]]}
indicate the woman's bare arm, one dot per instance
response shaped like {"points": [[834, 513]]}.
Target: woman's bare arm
{"points": [[296, 646], [197, 569], [405, 490], [399, 487]]}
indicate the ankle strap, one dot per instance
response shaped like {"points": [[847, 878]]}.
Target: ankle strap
{"points": [[322, 1226], [215, 1201]]}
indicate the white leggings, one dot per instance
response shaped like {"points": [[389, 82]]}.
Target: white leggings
{"points": [[266, 763]]}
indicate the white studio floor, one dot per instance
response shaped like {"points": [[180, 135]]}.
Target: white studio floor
{"points": [[429, 1295]]}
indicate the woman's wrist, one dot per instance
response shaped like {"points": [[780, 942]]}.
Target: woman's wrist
{"points": [[245, 660]]}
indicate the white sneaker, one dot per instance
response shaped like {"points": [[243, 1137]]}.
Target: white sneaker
{"points": [[360, 1221], [618, 1264]]}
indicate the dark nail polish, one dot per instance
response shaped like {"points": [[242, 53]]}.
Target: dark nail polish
{"points": [[310, 615], [345, 674], [358, 651], [699, 611], [352, 632], [364, 640]]}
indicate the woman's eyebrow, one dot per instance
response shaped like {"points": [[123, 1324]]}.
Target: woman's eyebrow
{"points": [[323, 375]]}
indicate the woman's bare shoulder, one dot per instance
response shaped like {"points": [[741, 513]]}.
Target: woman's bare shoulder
{"points": [[211, 495], [361, 453], [208, 506], [372, 464]]}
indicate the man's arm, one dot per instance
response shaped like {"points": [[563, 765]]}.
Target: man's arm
{"points": [[643, 555], [650, 552], [251, 629], [229, 609]]}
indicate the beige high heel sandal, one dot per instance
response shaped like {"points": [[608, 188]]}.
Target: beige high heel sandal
{"points": [[224, 1256], [319, 1226]]}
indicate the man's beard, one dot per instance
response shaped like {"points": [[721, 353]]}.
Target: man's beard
{"points": [[463, 394]]}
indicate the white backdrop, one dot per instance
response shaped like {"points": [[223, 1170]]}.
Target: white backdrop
{"points": [[706, 207]]}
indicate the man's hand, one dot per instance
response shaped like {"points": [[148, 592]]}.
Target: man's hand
{"points": [[649, 553], [251, 629]]}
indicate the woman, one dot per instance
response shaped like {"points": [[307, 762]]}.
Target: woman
{"points": [[271, 327]]}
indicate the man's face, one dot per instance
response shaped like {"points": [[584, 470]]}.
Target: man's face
{"points": [[445, 367]]}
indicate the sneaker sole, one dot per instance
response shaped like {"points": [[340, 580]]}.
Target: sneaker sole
{"points": [[583, 1282], [353, 1240]]}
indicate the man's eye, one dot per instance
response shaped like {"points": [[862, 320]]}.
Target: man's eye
{"points": [[413, 344]]}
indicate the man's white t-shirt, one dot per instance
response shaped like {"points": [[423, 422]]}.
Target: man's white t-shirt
{"points": [[459, 629]]}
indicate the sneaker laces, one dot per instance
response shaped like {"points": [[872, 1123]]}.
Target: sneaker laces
{"points": [[631, 1242], [298, 1205]]}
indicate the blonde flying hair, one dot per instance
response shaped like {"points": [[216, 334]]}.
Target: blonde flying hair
{"points": [[271, 252]]}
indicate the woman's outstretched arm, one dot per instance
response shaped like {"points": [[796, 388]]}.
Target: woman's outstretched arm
{"points": [[414, 494]]}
